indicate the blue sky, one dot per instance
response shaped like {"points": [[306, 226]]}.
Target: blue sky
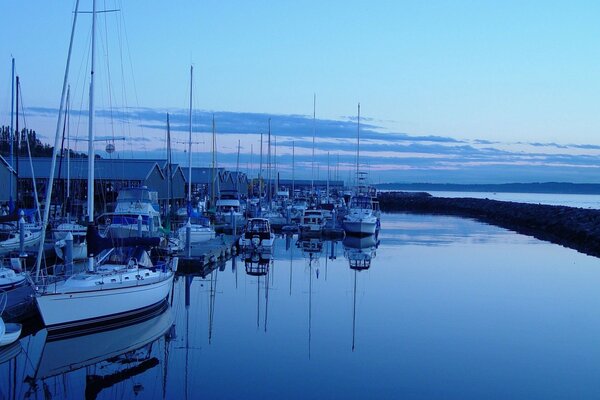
{"points": [[459, 91]]}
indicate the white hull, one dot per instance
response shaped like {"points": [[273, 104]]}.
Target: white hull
{"points": [[70, 309], [198, 234], [263, 245], [360, 227], [31, 239]]}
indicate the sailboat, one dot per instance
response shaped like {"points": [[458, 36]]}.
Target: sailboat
{"points": [[361, 219], [120, 282]]}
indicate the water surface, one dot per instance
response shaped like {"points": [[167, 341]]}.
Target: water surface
{"points": [[449, 308]]}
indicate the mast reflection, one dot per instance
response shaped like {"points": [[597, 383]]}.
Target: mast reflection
{"points": [[360, 252], [258, 264]]}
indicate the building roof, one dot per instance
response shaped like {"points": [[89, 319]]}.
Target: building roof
{"points": [[121, 169]]}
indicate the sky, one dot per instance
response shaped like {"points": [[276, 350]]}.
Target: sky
{"points": [[450, 91]]}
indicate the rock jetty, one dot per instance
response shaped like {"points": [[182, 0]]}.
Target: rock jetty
{"points": [[576, 228]]}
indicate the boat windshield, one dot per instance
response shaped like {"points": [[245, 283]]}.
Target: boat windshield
{"points": [[122, 256], [258, 225], [361, 202]]}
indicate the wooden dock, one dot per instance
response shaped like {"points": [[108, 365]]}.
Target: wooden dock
{"points": [[221, 248]]}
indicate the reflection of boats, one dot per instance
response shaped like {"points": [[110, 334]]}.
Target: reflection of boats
{"points": [[360, 251], [310, 246], [126, 349], [257, 235], [257, 263]]}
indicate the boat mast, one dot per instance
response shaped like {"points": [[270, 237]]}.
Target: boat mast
{"points": [[293, 168], [11, 133], [68, 199], [237, 169], [327, 194], [170, 174], [214, 162], [269, 166], [56, 140], [275, 173], [260, 182], [189, 197], [358, 146], [312, 171], [91, 156]]}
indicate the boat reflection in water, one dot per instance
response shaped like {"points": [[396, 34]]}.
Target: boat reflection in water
{"points": [[109, 357], [258, 264], [359, 251]]}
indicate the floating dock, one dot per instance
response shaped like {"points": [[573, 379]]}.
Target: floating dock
{"points": [[220, 248]]}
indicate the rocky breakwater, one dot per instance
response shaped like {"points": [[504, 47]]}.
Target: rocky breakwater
{"points": [[576, 228]]}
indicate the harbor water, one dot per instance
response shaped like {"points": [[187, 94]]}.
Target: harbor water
{"points": [[435, 307]]}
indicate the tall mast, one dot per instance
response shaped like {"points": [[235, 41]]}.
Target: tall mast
{"points": [[275, 174], [56, 142], [312, 171], [169, 173], [11, 133], [91, 156], [293, 167], [68, 107], [189, 198], [214, 162], [358, 145], [269, 166], [18, 138], [327, 194], [237, 168], [260, 182]]}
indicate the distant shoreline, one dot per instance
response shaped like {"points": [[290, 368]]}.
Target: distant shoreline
{"points": [[542, 187]]}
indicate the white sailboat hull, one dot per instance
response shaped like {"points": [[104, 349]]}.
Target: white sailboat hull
{"points": [[72, 309]]}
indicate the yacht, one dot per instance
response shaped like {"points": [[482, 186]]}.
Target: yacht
{"points": [[131, 204], [228, 206], [312, 221], [257, 235], [360, 219]]}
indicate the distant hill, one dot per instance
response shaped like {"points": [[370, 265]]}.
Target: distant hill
{"points": [[536, 187]]}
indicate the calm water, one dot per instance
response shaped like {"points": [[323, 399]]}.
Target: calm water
{"points": [[449, 308]]}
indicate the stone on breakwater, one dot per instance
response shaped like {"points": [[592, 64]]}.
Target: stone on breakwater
{"points": [[576, 228]]}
